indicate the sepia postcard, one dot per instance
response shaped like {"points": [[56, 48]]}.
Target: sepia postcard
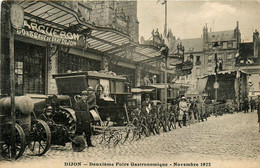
{"points": [[130, 83]]}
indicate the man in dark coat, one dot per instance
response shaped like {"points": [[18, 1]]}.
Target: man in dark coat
{"points": [[246, 105], [258, 111], [252, 104], [83, 117]]}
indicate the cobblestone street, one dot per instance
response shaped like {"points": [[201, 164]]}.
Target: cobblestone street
{"points": [[231, 140]]}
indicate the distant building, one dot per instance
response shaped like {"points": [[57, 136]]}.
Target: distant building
{"points": [[214, 52], [249, 62]]}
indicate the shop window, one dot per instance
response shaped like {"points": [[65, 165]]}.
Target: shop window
{"points": [[29, 68], [69, 62], [19, 77]]}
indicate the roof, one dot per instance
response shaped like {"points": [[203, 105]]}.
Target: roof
{"points": [[193, 44], [226, 35], [109, 41]]}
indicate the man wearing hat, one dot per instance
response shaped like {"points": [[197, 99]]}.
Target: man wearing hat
{"points": [[91, 99], [83, 117], [183, 110]]}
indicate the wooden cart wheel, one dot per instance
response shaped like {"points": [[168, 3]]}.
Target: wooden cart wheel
{"points": [[78, 144], [40, 138], [20, 141]]}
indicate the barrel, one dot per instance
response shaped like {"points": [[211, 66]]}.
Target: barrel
{"points": [[22, 103]]}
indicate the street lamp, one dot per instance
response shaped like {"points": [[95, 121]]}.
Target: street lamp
{"points": [[180, 47]]}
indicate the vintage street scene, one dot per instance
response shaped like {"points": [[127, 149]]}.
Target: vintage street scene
{"points": [[129, 83]]}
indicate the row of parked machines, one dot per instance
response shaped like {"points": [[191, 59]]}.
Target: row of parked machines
{"points": [[45, 120]]}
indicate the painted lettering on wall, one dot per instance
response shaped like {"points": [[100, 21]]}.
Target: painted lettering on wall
{"points": [[49, 34]]}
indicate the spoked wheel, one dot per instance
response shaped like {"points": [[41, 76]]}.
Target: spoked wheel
{"points": [[156, 126], [144, 130], [168, 123], [163, 125], [6, 143], [40, 138], [66, 117], [112, 137], [128, 135], [78, 144], [171, 123]]}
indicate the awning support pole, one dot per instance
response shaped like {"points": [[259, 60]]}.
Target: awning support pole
{"points": [[12, 86]]}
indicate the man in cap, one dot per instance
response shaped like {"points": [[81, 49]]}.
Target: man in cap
{"points": [[91, 99], [83, 117]]}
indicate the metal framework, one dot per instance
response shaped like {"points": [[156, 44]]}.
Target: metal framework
{"points": [[100, 39]]}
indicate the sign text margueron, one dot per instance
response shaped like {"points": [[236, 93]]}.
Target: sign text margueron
{"points": [[50, 34]]}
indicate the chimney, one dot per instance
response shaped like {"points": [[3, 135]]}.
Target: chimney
{"points": [[256, 44]]}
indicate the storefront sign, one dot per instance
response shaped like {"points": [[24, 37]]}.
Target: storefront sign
{"points": [[48, 34], [17, 16]]}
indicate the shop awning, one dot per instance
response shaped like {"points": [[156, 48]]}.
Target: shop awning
{"points": [[102, 39], [139, 90], [224, 72], [162, 85]]}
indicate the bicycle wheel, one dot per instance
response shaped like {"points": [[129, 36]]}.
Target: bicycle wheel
{"points": [[129, 135]]}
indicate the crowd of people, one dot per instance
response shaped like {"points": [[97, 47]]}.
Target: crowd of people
{"points": [[184, 111]]}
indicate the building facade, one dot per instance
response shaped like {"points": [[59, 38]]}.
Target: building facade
{"points": [[214, 57], [249, 62], [62, 37]]}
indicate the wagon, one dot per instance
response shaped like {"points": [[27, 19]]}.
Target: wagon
{"points": [[111, 116]]}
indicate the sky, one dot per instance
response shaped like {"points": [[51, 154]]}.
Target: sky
{"points": [[187, 18]]}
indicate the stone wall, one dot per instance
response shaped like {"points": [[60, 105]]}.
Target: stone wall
{"points": [[103, 13]]}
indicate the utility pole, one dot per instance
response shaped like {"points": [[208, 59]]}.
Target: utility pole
{"points": [[165, 15], [166, 56]]}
